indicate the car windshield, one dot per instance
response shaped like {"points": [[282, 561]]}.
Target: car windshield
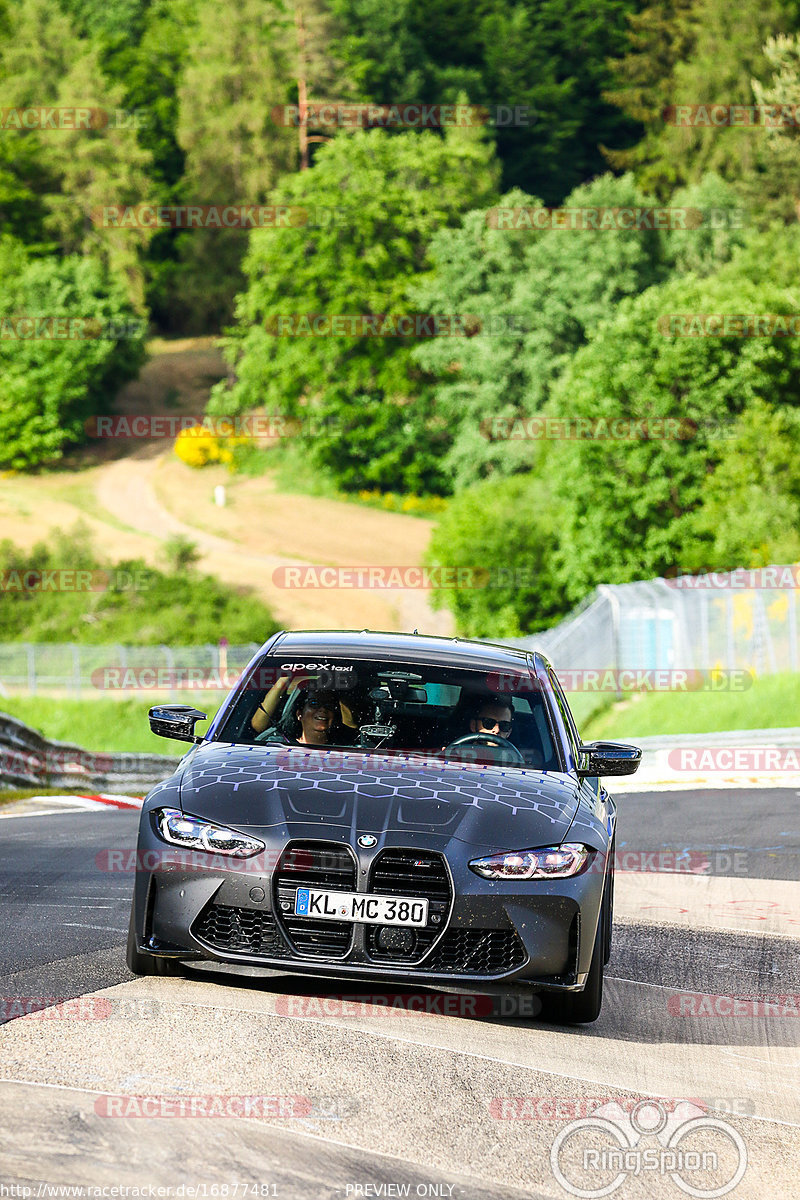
{"points": [[395, 708]]}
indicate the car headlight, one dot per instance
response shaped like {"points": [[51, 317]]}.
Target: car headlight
{"points": [[193, 834], [548, 862]]}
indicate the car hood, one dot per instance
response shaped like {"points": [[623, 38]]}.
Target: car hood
{"points": [[284, 793]]}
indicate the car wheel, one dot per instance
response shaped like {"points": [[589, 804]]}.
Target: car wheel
{"points": [[140, 963], [579, 1008]]}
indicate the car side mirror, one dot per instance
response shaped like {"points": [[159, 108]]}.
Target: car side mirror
{"points": [[176, 721], [609, 758]]}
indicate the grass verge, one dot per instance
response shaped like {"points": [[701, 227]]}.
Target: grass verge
{"points": [[104, 724], [773, 702], [14, 794]]}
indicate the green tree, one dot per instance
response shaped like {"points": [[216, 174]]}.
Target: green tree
{"points": [[506, 532], [701, 53], [545, 292], [750, 505], [545, 55], [75, 171], [658, 38], [781, 150], [376, 200], [237, 68], [135, 604], [703, 249], [629, 504], [50, 383]]}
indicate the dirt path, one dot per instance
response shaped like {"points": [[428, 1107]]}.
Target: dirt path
{"points": [[136, 494]]}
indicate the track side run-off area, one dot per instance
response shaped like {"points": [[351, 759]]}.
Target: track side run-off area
{"points": [[311, 1089]]}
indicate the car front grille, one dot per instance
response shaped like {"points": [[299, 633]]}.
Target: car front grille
{"points": [[418, 873], [476, 952], [402, 873], [322, 865], [240, 931]]}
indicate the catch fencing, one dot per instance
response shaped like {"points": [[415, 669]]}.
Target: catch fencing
{"points": [[745, 620], [88, 671]]}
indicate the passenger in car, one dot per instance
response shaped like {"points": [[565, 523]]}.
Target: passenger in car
{"points": [[346, 713], [315, 716]]}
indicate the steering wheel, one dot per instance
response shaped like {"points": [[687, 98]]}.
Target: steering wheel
{"points": [[488, 739]]}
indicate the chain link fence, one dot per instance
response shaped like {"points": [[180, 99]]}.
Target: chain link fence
{"points": [[86, 672], [742, 620]]}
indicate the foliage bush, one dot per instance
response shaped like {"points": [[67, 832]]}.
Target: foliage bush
{"points": [[508, 528], [127, 601], [51, 385]]}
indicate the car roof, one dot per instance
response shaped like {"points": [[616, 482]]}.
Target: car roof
{"points": [[369, 644]]}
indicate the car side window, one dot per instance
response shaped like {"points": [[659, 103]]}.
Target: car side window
{"points": [[566, 715]]}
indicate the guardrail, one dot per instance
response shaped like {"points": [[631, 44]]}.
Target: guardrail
{"points": [[27, 759]]}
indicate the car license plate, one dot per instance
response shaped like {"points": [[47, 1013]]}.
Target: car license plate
{"points": [[352, 906]]}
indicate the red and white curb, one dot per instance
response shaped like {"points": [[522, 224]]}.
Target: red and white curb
{"points": [[115, 801], [42, 806]]}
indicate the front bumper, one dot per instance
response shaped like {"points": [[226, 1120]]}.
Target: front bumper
{"points": [[538, 935]]}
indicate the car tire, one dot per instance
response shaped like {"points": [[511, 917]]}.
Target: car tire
{"points": [[580, 1008], [140, 963]]}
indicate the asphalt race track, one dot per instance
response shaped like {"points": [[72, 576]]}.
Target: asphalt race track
{"points": [[133, 1087]]}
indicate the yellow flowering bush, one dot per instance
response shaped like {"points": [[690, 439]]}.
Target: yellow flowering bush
{"points": [[198, 446], [397, 502]]}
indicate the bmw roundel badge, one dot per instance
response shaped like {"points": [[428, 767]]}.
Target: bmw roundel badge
{"points": [[366, 840]]}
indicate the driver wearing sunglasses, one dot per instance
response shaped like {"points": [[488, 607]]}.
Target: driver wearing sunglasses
{"points": [[495, 715]]}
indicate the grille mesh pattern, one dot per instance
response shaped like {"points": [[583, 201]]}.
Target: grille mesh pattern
{"points": [[322, 865], [241, 930], [409, 873], [476, 952]]}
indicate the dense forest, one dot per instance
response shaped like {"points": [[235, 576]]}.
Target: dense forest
{"points": [[683, 112]]}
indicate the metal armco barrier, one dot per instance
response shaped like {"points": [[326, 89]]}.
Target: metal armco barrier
{"points": [[29, 760]]}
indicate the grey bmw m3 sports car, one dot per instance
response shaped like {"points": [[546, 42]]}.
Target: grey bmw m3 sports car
{"points": [[394, 807]]}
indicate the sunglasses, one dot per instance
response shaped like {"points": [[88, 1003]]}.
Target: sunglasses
{"points": [[491, 722], [313, 702]]}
